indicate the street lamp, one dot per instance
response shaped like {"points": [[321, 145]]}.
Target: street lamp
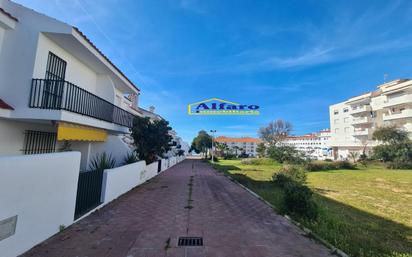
{"points": [[213, 144]]}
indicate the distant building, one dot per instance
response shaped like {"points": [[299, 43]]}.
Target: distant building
{"points": [[313, 145], [240, 144], [354, 120]]}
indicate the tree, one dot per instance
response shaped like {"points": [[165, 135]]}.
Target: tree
{"points": [[354, 156], [390, 135], [261, 150], [396, 146], [202, 143], [180, 152], [222, 148], [236, 148], [286, 154], [275, 131], [151, 138]]}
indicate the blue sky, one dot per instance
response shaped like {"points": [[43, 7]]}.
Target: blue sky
{"points": [[293, 58]]}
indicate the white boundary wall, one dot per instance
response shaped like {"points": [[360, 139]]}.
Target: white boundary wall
{"points": [[165, 164], [120, 180], [151, 170], [41, 190]]}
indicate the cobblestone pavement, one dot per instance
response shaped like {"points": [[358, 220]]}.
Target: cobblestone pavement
{"points": [[189, 199]]}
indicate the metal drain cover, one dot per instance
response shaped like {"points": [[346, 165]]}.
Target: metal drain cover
{"points": [[190, 241]]}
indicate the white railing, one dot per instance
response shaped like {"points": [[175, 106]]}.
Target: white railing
{"points": [[392, 101], [363, 132], [360, 109], [361, 120], [407, 113]]}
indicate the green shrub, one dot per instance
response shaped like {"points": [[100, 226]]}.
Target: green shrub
{"points": [[298, 200], [102, 162], [130, 158], [328, 160], [318, 166], [229, 156], [286, 154], [290, 173], [344, 165], [399, 165], [258, 161]]}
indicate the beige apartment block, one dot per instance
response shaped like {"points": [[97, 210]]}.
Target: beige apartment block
{"points": [[353, 121]]}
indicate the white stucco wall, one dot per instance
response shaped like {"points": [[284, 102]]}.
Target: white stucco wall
{"points": [[23, 56], [120, 180], [12, 135], [41, 191], [151, 170], [2, 31], [173, 161], [165, 164], [105, 88], [114, 145], [76, 72]]}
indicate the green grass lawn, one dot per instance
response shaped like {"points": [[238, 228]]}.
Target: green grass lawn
{"points": [[364, 212]]}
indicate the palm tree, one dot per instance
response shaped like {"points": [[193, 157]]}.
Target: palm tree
{"points": [[221, 147], [354, 156], [236, 148]]}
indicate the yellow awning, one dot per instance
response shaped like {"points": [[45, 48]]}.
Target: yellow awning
{"points": [[69, 131]]}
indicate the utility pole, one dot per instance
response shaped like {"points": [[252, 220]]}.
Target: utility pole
{"points": [[213, 144]]}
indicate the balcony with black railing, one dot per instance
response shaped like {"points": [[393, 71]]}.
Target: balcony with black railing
{"points": [[63, 95]]}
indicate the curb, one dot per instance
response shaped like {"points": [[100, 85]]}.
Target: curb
{"points": [[307, 232]]}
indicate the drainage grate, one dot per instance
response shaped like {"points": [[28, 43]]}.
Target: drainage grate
{"points": [[190, 241]]}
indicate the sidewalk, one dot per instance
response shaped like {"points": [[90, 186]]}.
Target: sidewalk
{"points": [[148, 221]]}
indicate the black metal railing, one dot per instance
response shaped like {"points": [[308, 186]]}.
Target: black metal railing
{"points": [[63, 95], [37, 142]]}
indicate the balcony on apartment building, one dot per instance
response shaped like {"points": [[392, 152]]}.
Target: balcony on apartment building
{"points": [[397, 100], [360, 109], [362, 132], [63, 95], [361, 120], [403, 114]]}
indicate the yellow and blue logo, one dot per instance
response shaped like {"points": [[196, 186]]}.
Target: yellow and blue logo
{"points": [[216, 106]]}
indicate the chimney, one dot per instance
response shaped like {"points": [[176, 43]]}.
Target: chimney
{"points": [[133, 98], [152, 109]]}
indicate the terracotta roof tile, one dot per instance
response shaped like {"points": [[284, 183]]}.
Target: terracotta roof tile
{"points": [[223, 139], [8, 14], [4, 105]]}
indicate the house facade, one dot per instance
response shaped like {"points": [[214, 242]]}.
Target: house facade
{"points": [[59, 91], [238, 145], [313, 145], [354, 120]]}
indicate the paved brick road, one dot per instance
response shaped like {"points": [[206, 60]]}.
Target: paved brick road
{"points": [[231, 221]]}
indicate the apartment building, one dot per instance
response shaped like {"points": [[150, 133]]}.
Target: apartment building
{"points": [[238, 145], [58, 91], [354, 120], [313, 145]]}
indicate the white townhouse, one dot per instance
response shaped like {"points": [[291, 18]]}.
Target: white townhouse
{"points": [[238, 145], [313, 145], [354, 120], [58, 91]]}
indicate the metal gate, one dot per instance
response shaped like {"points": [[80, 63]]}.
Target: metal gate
{"points": [[89, 189], [159, 166]]}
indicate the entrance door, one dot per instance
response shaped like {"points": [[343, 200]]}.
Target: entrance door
{"points": [[54, 82]]}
